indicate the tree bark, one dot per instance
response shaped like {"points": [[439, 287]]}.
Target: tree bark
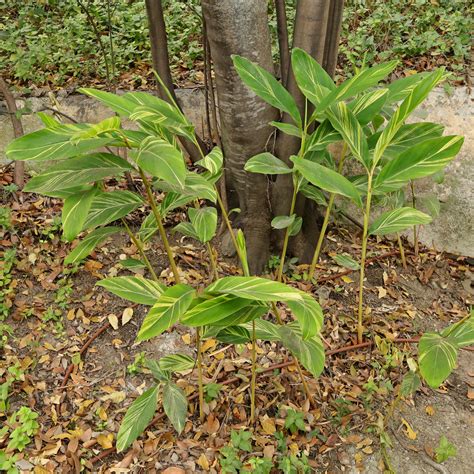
{"points": [[19, 169], [309, 34], [160, 58], [283, 41], [241, 27], [331, 46]]}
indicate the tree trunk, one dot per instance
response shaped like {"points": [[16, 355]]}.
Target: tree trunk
{"points": [[310, 32], [331, 46], [19, 167], [241, 27], [160, 58]]}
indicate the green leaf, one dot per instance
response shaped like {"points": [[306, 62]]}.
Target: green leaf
{"points": [[309, 352], [75, 211], [419, 161], [462, 333], [137, 289], [196, 185], [266, 87], [242, 246], [415, 98], [175, 405], [265, 330], [282, 222], [107, 207], [309, 314], [430, 204], [233, 335], [357, 84], [324, 135], [410, 384], [295, 226], [187, 229], [437, 356], [243, 315], [160, 159], [399, 89], [314, 82], [266, 163], [136, 419], [170, 202], [312, 192], [132, 264], [327, 179], [176, 363], [345, 122], [368, 105], [287, 128], [118, 103], [171, 305], [213, 161], [346, 261], [89, 243], [445, 450], [254, 288], [397, 220], [49, 144], [76, 171], [156, 371], [213, 310], [204, 222]]}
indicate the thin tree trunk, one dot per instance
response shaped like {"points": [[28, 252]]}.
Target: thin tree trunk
{"points": [[283, 42], [331, 46], [241, 27], [309, 34], [159, 53], [19, 169]]}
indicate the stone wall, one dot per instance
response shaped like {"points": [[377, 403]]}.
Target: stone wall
{"points": [[451, 231]]}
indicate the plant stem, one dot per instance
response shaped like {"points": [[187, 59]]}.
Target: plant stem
{"points": [[161, 229], [415, 229], [254, 374], [212, 261], [287, 236], [322, 233], [402, 251], [200, 377], [360, 326], [141, 251]]}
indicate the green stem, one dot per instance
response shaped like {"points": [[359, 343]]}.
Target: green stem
{"points": [[200, 377], [161, 229], [415, 228], [360, 326], [322, 234], [141, 251], [287, 236], [402, 251], [212, 261]]}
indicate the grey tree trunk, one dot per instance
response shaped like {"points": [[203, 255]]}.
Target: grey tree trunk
{"points": [[310, 33], [241, 27], [331, 47]]}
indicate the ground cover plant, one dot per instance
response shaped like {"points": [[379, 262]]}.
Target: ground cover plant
{"points": [[420, 33], [238, 309]]}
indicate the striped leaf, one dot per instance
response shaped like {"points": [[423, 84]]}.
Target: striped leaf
{"points": [[309, 352], [89, 243], [287, 128], [176, 363], [118, 103], [209, 312], [175, 405], [309, 314], [399, 89], [397, 220], [262, 83], [327, 179], [187, 229], [345, 122], [357, 84], [266, 163], [313, 193], [314, 82], [368, 105], [136, 419], [137, 289], [162, 160], [463, 332], [324, 135], [254, 288], [196, 185], [75, 211], [265, 330], [233, 335], [282, 222], [421, 160], [213, 161], [407, 136], [411, 102], [243, 315], [77, 171], [204, 222], [49, 144], [437, 357], [242, 246], [110, 206], [171, 305]]}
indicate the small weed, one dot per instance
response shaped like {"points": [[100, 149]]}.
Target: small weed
{"points": [[211, 391], [445, 450], [241, 440], [294, 421]]}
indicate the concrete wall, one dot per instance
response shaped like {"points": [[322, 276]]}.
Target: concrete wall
{"points": [[451, 231]]}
